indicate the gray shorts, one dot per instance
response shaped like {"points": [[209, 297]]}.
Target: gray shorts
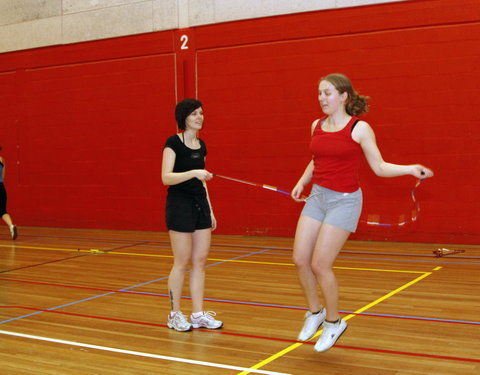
{"points": [[338, 209]]}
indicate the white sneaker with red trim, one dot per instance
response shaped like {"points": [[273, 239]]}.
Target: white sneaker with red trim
{"points": [[205, 319], [178, 322]]}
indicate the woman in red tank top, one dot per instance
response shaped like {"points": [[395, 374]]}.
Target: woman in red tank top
{"points": [[332, 213]]}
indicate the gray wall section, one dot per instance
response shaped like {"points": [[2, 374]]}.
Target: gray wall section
{"points": [[28, 24]]}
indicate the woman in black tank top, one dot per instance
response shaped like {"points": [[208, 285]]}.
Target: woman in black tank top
{"points": [[189, 215]]}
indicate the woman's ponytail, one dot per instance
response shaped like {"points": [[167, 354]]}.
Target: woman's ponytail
{"points": [[356, 104]]}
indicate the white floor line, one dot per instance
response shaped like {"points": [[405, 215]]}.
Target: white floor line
{"points": [[140, 354]]}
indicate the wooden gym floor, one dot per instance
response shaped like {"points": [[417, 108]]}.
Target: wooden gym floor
{"points": [[95, 302]]}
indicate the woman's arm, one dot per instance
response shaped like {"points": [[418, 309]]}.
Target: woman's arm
{"points": [[364, 135], [214, 220], [307, 174], [302, 182], [173, 178]]}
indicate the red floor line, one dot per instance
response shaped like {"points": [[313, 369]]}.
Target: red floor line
{"points": [[436, 356], [42, 264], [143, 323], [411, 318], [56, 284], [229, 302], [223, 332]]}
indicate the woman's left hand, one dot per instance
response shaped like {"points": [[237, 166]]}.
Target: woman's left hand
{"points": [[421, 172], [214, 222]]}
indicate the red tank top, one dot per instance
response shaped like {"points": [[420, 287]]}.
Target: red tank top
{"points": [[336, 157]]}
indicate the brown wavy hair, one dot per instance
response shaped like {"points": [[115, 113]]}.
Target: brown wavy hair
{"points": [[356, 104]]}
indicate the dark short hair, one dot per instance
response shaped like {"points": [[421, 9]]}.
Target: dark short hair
{"points": [[184, 109]]}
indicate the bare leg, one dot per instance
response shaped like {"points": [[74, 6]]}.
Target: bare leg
{"points": [[182, 253], [200, 249], [305, 239], [329, 243], [7, 219]]}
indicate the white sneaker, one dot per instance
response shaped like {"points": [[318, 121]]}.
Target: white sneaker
{"points": [[311, 325], [331, 333], [205, 319], [177, 321]]}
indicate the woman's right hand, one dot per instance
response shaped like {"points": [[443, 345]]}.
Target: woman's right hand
{"points": [[203, 174], [297, 193]]}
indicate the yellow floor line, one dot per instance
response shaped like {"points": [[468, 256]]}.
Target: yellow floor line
{"points": [[266, 263], [37, 248], [291, 347], [376, 302], [370, 305], [141, 254], [377, 269], [97, 251]]}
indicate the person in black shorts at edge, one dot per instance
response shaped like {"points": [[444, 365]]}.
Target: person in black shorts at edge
{"points": [[3, 201], [189, 215]]}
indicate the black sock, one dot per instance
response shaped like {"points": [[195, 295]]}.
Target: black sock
{"points": [[319, 311], [334, 322]]}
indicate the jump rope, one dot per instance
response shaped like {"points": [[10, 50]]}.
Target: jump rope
{"points": [[372, 219]]}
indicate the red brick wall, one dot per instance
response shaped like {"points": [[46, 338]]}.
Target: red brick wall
{"points": [[87, 122]]}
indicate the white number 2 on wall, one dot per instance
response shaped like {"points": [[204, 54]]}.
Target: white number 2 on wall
{"points": [[184, 40]]}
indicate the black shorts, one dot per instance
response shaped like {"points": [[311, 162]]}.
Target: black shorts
{"points": [[187, 213], [3, 199]]}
